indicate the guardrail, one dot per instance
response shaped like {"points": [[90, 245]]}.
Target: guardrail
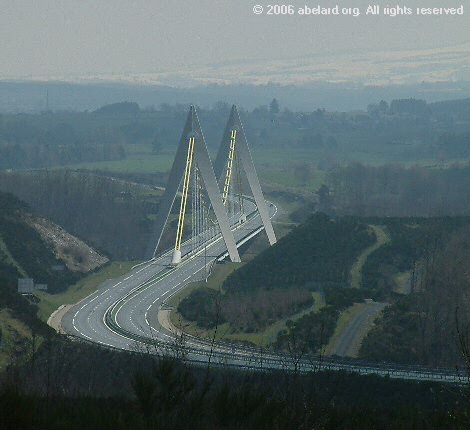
{"points": [[284, 362], [227, 354], [258, 359]]}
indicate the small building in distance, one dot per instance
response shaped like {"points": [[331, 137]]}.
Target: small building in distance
{"points": [[25, 286]]}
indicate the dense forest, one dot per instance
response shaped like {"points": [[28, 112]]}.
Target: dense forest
{"points": [[322, 250], [396, 190]]}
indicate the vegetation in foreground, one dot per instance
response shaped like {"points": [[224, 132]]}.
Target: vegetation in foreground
{"points": [[80, 386]]}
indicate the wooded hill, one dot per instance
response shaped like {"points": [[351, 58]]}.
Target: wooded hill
{"points": [[427, 325], [110, 214], [30, 247], [279, 282], [321, 251], [421, 270]]}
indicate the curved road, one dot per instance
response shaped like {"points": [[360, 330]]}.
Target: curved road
{"points": [[350, 338], [124, 310], [123, 314]]}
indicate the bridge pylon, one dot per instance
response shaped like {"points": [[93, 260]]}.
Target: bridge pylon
{"points": [[233, 152], [191, 152]]}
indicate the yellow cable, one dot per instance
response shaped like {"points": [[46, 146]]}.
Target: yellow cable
{"points": [[228, 173], [184, 197]]}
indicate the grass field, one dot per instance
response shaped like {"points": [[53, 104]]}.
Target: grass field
{"points": [[277, 166], [287, 177], [50, 302]]}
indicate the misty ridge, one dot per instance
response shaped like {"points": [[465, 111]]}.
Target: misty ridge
{"points": [[35, 97]]}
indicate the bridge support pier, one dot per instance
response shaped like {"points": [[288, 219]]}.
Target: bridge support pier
{"points": [[176, 259]]}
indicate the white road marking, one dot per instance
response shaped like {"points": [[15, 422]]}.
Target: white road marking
{"points": [[152, 280]]}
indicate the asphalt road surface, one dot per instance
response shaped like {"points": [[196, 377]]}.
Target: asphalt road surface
{"points": [[134, 299], [350, 338], [122, 314]]}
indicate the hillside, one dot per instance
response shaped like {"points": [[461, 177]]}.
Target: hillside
{"points": [[38, 248], [422, 326], [300, 292], [322, 250], [33, 246], [286, 279], [109, 214]]}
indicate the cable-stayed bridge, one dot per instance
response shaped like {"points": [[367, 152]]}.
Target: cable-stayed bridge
{"points": [[215, 214], [212, 212]]}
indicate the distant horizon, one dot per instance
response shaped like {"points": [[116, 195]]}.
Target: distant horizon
{"points": [[397, 67], [39, 96], [318, 84], [183, 44]]}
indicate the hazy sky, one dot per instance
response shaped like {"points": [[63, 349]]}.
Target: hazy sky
{"points": [[41, 38]]}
